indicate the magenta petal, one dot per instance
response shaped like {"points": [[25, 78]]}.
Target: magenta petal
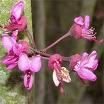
{"points": [[86, 74], [28, 81], [7, 58], [87, 22], [93, 55], [35, 63], [84, 59], [17, 11], [79, 20], [10, 61], [12, 66], [23, 62], [14, 34], [8, 42], [25, 46], [17, 48], [92, 61], [22, 24]]}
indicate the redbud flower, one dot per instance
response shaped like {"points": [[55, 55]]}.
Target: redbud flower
{"points": [[20, 25], [17, 12], [84, 65], [14, 49], [60, 74], [29, 65], [81, 29], [17, 19], [55, 61]]}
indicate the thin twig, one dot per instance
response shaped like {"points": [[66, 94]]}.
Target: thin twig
{"points": [[57, 41], [43, 54]]}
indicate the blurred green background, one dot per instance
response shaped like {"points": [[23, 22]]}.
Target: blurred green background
{"points": [[50, 20]]}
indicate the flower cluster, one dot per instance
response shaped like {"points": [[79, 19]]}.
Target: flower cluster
{"points": [[26, 58], [18, 53]]}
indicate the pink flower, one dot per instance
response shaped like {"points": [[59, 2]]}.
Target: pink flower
{"points": [[8, 42], [17, 19], [84, 65], [81, 29], [20, 25], [55, 62], [17, 12], [29, 65], [60, 74], [14, 49]]}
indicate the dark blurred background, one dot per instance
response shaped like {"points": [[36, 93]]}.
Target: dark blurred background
{"points": [[52, 19]]}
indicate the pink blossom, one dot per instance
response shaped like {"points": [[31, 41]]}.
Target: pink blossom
{"points": [[55, 61], [29, 65], [60, 74], [14, 49], [84, 65], [8, 42], [17, 19], [17, 12], [81, 29], [20, 25]]}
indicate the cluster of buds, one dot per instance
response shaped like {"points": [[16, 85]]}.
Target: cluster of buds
{"points": [[26, 58]]}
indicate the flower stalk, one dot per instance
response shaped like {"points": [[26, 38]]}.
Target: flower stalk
{"points": [[57, 41]]}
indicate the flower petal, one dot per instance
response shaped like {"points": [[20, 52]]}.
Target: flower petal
{"points": [[25, 46], [17, 11], [8, 42], [55, 79], [87, 22], [22, 24], [12, 66], [23, 62], [17, 48], [10, 61], [92, 61], [84, 59], [79, 20], [86, 74], [35, 63], [28, 81], [93, 55]]}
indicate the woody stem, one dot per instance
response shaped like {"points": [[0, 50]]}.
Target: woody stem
{"points": [[46, 55]]}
